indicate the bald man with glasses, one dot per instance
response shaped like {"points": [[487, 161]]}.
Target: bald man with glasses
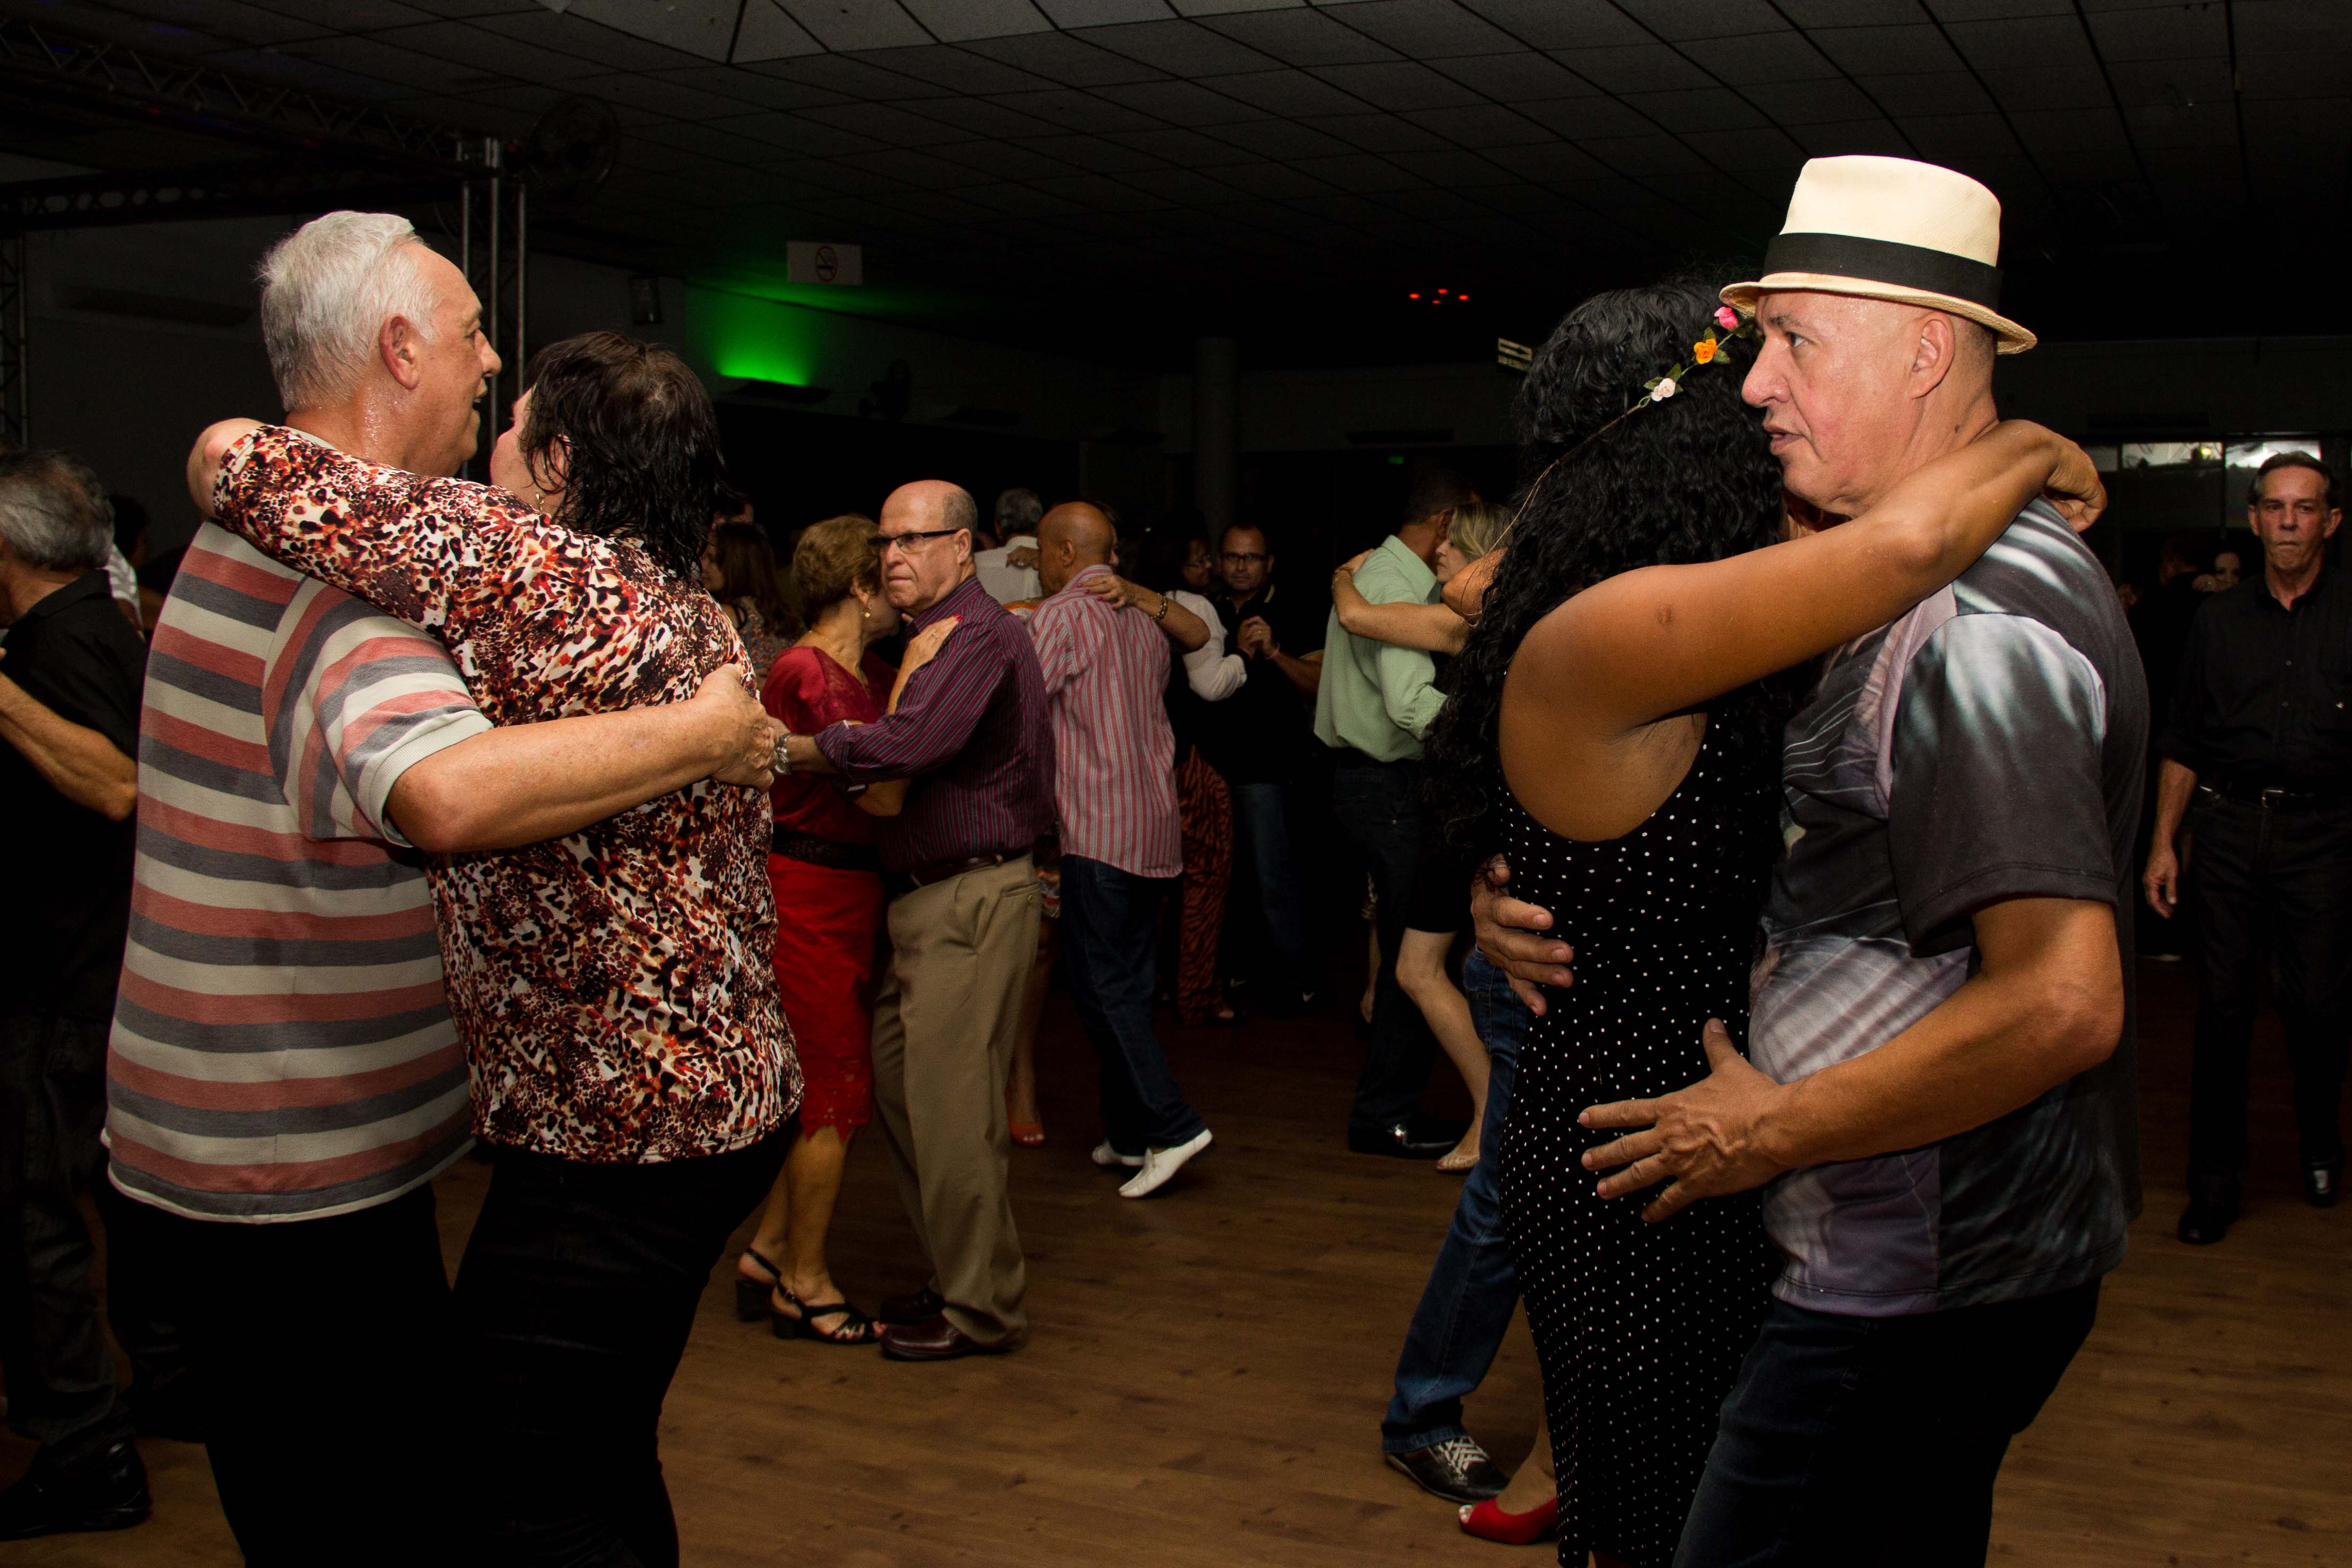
{"points": [[973, 732]]}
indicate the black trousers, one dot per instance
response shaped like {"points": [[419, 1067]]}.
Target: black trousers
{"points": [[574, 1300], [1377, 808], [325, 1371], [1874, 1442], [2269, 883], [60, 1371]]}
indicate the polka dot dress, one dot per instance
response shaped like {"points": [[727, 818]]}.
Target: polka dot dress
{"points": [[1640, 1328]]}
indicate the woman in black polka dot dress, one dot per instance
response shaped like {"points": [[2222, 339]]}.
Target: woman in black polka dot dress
{"points": [[1653, 634]]}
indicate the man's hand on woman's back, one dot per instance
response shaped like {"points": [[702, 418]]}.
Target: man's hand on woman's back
{"points": [[1511, 934]]}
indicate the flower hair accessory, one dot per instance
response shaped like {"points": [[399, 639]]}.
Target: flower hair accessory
{"points": [[1708, 350]]}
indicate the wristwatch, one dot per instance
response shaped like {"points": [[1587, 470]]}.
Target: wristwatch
{"points": [[783, 757]]}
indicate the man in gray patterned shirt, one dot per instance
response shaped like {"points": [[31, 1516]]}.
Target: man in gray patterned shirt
{"points": [[1935, 1101]]}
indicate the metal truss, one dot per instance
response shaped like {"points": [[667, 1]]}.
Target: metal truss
{"points": [[251, 187]]}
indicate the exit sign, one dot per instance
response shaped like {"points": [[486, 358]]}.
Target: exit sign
{"points": [[815, 261]]}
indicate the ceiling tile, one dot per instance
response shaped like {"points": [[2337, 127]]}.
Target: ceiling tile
{"points": [[2176, 32], [366, 57], [1300, 37], [1482, 125], [1686, 20], [2284, 75], [1281, 139], [1187, 148], [951, 69], [577, 34], [1887, 51], [1287, 93], [1561, 23], [768, 33], [845, 25], [1078, 111], [1836, 139], [1103, 13], [1181, 48], [1812, 102], [2048, 87], [1101, 194], [841, 74], [1060, 56], [2039, 42], [1192, 186], [921, 171], [702, 28], [1397, 86], [960, 21], [1275, 182], [1361, 172], [1377, 132], [2269, 27], [1505, 78], [1095, 155], [1936, 92], [1999, 10], [1644, 68], [1185, 103], [1765, 147], [750, 87], [2206, 125], [1949, 138], [884, 124], [1770, 56], [794, 134], [983, 116], [2177, 84], [1645, 155], [1705, 109], [711, 138], [1578, 118], [1425, 29], [491, 53], [657, 95], [1003, 160], [1454, 167], [1545, 161]]}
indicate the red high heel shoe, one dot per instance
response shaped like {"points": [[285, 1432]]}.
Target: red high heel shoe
{"points": [[1487, 1521]]}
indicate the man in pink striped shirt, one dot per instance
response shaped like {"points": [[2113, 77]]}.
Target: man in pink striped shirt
{"points": [[1115, 791]]}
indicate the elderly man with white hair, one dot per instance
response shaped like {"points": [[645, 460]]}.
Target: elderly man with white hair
{"points": [[284, 1078]]}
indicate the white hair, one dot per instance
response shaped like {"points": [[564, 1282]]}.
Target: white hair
{"points": [[327, 290]]}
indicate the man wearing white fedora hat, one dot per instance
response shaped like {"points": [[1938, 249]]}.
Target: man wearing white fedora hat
{"points": [[1941, 1104]]}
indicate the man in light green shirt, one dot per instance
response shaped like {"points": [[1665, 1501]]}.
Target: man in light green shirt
{"points": [[1375, 703], [1375, 697]]}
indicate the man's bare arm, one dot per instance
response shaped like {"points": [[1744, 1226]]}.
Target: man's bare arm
{"points": [[2046, 1004], [2175, 783], [81, 765], [523, 784]]}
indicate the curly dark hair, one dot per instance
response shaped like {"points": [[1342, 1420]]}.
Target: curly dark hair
{"points": [[641, 455], [1690, 479]]}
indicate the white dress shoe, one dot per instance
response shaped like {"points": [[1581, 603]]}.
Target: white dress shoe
{"points": [[1160, 1165], [1103, 1154]]}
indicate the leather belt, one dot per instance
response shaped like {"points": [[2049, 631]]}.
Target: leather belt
{"points": [[2257, 794], [941, 870], [830, 852]]}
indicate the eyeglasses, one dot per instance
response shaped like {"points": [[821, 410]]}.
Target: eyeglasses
{"points": [[1244, 557], [909, 543]]}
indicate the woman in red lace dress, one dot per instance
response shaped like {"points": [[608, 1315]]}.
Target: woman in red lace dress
{"points": [[828, 886]]}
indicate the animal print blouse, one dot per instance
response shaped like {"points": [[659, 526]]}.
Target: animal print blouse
{"points": [[615, 987]]}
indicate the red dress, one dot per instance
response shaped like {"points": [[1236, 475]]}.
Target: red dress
{"points": [[828, 917]]}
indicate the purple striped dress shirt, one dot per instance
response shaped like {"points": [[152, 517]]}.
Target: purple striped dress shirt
{"points": [[971, 730], [1115, 758]]}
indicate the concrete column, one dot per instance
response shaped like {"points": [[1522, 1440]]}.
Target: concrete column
{"points": [[1216, 443]]}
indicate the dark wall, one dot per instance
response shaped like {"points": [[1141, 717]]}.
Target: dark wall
{"points": [[799, 467]]}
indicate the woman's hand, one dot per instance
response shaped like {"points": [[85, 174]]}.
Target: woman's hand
{"points": [[2074, 488], [1116, 591], [924, 645], [204, 458], [1345, 575]]}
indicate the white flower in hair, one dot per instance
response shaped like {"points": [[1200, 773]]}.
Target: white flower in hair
{"points": [[1664, 389]]}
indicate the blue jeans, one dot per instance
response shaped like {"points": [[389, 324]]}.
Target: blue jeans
{"points": [[1377, 806], [1110, 925], [1874, 1442], [1473, 1287], [1261, 810]]}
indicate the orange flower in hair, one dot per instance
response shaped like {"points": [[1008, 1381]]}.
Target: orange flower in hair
{"points": [[1703, 351]]}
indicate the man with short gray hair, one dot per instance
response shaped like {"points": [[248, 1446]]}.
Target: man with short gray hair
{"points": [[283, 1092], [1009, 572], [70, 675]]}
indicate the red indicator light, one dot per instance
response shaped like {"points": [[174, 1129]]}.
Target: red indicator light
{"points": [[1412, 296]]}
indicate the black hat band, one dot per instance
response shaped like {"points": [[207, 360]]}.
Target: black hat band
{"points": [[1886, 261]]}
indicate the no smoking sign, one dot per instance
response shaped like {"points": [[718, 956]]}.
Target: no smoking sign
{"points": [[824, 262]]}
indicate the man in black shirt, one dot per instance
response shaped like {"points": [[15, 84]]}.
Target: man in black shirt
{"points": [[1261, 740], [2260, 736], [71, 674]]}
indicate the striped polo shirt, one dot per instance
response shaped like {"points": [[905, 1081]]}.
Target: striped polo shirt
{"points": [[283, 1049]]}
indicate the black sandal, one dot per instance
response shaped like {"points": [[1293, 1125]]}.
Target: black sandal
{"points": [[750, 1295], [858, 1331]]}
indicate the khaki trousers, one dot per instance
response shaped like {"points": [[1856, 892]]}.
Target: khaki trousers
{"points": [[944, 1021]]}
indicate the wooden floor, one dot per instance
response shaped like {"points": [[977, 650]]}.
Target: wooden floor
{"points": [[1208, 1369]]}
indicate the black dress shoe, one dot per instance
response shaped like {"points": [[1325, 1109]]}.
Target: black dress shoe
{"points": [[915, 1307], [2212, 1205], [1457, 1469], [933, 1339], [2321, 1178], [107, 1490], [1413, 1140]]}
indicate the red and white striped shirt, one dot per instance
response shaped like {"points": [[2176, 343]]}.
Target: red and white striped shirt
{"points": [[283, 1049], [1114, 756]]}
